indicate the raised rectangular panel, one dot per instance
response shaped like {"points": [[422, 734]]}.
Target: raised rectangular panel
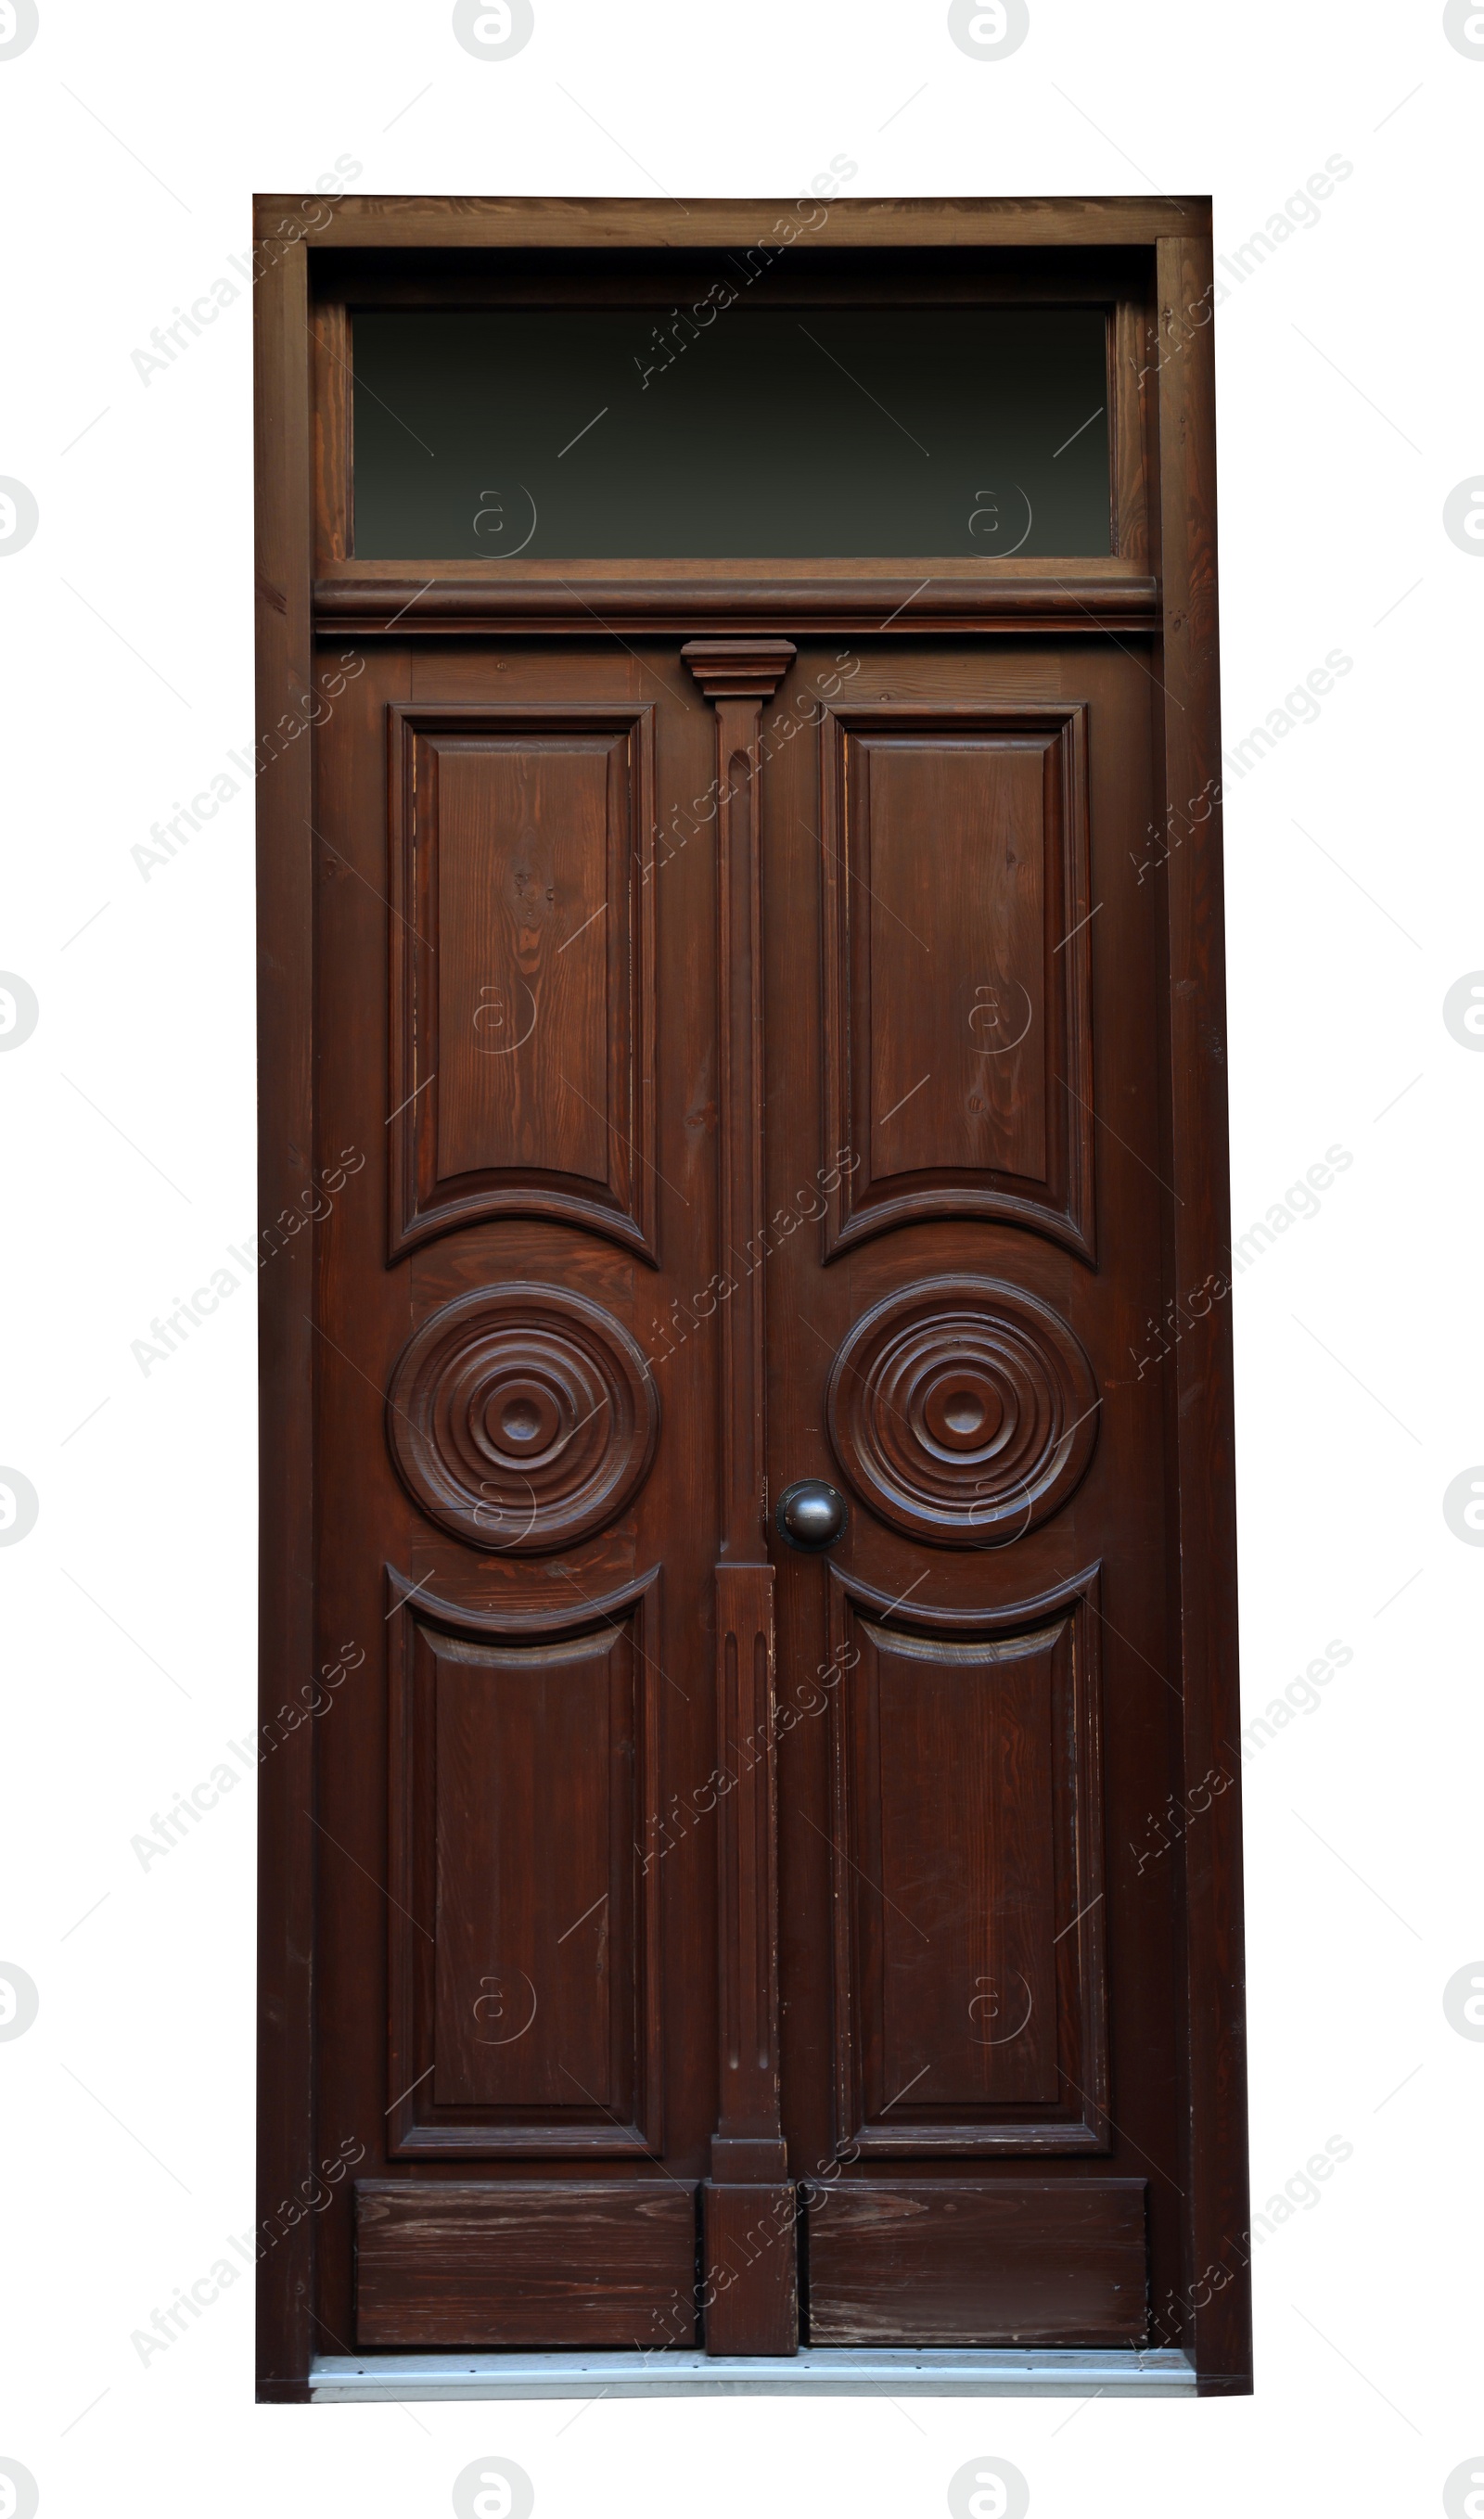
{"points": [[520, 887], [958, 1037], [963, 1757], [508, 2263], [1021, 2261], [970, 1992], [955, 850], [523, 1929], [525, 1999], [522, 969]]}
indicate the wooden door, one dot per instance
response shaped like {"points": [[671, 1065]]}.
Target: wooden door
{"points": [[976, 1952], [749, 1858], [519, 2006], [769, 1038]]}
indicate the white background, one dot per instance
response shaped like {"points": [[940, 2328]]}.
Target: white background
{"points": [[1349, 408]]}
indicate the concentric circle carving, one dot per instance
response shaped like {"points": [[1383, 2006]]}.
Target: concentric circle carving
{"points": [[964, 1411], [521, 1417]]}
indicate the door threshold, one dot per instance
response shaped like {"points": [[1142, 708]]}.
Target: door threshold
{"points": [[347, 2380]]}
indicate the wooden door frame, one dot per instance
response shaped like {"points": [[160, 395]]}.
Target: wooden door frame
{"points": [[1161, 588]]}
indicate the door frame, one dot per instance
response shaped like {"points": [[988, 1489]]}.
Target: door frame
{"points": [[1157, 586]]}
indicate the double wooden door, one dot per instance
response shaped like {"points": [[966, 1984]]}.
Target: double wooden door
{"points": [[753, 1045]]}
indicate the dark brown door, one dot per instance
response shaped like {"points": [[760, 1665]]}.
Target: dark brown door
{"points": [[962, 987], [768, 1032]]}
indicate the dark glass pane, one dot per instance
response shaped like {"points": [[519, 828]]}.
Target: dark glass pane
{"points": [[811, 433]]}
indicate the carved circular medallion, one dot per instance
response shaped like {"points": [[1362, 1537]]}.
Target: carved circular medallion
{"points": [[964, 1411], [521, 1417]]}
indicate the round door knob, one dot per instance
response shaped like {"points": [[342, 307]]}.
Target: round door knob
{"points": [[812, 1516]]}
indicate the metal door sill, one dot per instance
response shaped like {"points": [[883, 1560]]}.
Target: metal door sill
{"points": [[348, 2379]]}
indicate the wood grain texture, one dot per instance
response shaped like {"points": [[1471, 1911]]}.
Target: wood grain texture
{"points": [[970, 1992], [750, 2253], [755, 2312], [522, 970], [1128, 409], [542, 2267], [523, 1926], [331, 382], [455, 600], [1022, 2261], [958, 1008], [400, 221], [286, 1295], [747, 1877], [1214, 2312], [738, 676]]}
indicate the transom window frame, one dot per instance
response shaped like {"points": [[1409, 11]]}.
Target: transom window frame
{"points": [[1115, 285]]}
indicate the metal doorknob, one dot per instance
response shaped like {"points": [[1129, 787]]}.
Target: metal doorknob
{"points": [[812, 1516]]}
